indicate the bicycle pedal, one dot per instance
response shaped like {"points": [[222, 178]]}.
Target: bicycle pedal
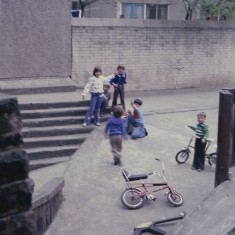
{"points": [[151, 197]]}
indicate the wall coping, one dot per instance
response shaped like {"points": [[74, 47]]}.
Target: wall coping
{"points": [[47, 191], [100, 22]]}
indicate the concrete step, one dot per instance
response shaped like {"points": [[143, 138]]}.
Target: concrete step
{"points": [[56, 121], [53, 112], [56, 130], [41, 163], [51, 141], [49, 152], [36, 85], [50, 105]]}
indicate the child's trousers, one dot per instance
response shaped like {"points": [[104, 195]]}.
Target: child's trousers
{"points": [[199, 154], [119, 91], [116, 146]]}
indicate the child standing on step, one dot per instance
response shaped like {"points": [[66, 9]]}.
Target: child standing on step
{"points": [[95, 88], [105, 99], [118, 81], [202, 132], [116, 131]]}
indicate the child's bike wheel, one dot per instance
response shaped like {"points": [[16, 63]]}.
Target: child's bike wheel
{"points": [[212, 159], [175, 199], [132, 199], [182, 156]]}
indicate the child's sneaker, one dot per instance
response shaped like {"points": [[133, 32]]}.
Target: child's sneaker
{"points": [[97, 124], [84, 124]]}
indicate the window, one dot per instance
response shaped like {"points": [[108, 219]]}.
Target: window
{"points": [[75, 5], [154, 11], [132, 11], [74, 9]]}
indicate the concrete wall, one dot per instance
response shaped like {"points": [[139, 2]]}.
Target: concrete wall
{"points": [[35, 38], [157, 54]]}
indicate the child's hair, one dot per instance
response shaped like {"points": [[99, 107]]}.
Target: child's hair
{"points": [[203, 114], [138, 101], [96, 69], [118, 111], [120, 66], [106, 85]]}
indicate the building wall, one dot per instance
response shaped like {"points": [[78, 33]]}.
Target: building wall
{"points": [[102, 9], [157, 54], [35, 38]]}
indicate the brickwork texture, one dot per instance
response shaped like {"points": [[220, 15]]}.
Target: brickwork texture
{"points": [[157, 54]]}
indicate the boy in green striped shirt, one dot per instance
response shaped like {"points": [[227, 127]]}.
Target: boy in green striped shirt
{"points": [[202, 132]]}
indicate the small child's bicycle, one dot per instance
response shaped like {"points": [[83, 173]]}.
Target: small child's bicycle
{"points": [[136, 193], [183, 155]]}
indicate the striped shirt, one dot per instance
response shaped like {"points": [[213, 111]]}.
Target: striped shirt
{"points": [[201, 130]]}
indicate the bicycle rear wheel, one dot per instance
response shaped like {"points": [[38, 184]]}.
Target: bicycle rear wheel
{"points": [[132, 199], [212, 159], [182, 156], [175, 199]]}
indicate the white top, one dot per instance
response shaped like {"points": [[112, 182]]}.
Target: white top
{"points": [[95, 85]]}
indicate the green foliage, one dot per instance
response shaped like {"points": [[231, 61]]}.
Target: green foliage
{"points": [[218, 9]]}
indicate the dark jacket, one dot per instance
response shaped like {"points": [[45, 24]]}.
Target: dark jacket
{"points": [[115, 126], [119, 79]]}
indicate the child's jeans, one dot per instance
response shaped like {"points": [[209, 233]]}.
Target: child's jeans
{"points": [[199, 154], [94, 109], [138, 131]]}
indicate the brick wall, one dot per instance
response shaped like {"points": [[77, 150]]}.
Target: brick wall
{"points": [[157, 54]]}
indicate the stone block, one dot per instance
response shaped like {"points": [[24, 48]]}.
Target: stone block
{"points": [[14, 166], [10, 120], [15, 197], [18, 224]]}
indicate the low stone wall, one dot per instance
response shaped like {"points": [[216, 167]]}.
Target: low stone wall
{"points": [[15, 187], [46, 202]]}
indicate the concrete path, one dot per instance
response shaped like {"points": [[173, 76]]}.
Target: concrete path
{"points": [[93, 184]]}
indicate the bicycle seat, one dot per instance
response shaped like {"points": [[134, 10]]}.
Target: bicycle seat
{"points": [[134, 177]]}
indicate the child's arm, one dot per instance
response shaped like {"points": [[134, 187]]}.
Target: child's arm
{"points": [[106, 128], [112, 82], [133, 105], [192, 127], [206, 131], [86, 89], [108, 78]]}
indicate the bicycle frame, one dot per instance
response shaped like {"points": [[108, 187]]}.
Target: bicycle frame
{"points": [[146, 186], [191, 146]]}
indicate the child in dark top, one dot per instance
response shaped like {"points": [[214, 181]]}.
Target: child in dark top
{"points": [[136, 120], [118, 82], [105, 99], [202, 132], [116, 132]]}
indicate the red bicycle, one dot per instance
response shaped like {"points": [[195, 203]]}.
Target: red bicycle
{"points": [[136, 193]]}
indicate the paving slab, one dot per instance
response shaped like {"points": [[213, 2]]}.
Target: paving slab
{"points": [[93, 185]]}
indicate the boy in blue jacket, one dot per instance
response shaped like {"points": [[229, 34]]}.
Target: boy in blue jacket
{"points": [[118, 82], [116, 131]]}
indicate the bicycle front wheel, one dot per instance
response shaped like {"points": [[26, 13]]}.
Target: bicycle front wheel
{"points": [[182, 156], [132, 199], [175, 199], [212, 159]]}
